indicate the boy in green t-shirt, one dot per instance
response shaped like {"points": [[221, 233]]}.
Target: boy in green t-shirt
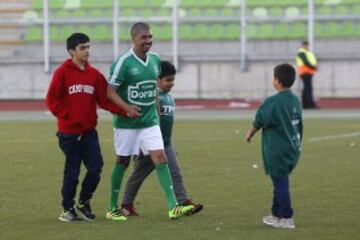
{"points": [[143, 164], [280, 119]]}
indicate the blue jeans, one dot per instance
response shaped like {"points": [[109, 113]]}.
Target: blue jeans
{"points": [[80, 148], [281, 199]]}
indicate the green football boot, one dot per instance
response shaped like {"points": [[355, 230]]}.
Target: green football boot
{"points": [[115, 215], [179, 211]]}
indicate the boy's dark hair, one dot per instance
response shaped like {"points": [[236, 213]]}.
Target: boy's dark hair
{"points": [[285, 74], [137, 27], [167, 69], [76, 39]]}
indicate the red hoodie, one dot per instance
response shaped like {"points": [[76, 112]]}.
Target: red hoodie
{"points": [[73, 95]]}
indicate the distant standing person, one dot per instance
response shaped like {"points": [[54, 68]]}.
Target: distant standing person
{"points": [[280, 119], [75, 90], [307, 66]]}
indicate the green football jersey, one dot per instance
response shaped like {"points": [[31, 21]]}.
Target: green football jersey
{"points": [[167, 111], [136, 85], [280, 118]]}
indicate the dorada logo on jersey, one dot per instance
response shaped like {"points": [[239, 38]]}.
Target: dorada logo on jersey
{"points": [[143, 93], [79, 88]]}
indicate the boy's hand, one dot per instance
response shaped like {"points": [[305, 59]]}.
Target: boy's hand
{"points": [[133, 111], [250, 134], [248, 137]]}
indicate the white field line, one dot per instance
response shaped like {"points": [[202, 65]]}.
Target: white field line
{"points": [[332, 137]]}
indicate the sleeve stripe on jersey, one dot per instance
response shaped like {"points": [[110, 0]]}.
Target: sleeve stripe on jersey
{"points": [[117, 68], [114, 84]]}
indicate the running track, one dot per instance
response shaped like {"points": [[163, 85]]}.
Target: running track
{"points": [[210, 104]]}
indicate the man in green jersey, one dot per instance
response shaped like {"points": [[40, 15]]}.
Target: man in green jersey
{"points": [[132, 85], [280, 119], [143, 164]]}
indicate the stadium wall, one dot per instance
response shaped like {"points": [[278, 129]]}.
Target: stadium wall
{"points": [[198, 79]]}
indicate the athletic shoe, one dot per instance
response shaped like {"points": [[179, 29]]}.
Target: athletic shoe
{"points": [[179, 211], [285, 223], [69, 215], [197, 207], [84, 211], [115, 215], [270, 220], [128, 210]]}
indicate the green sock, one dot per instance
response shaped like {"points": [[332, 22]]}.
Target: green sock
{"points": [[116, 179], [163, 173]]}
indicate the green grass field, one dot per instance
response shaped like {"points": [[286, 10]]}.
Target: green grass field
{"points": [[217, 166]]}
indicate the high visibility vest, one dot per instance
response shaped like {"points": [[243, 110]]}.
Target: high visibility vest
{"points": [[310, 57]]}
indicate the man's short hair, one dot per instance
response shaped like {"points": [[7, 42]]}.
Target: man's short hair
{"points": [[305, 43], [75, 39], [167, 69], [138, 27], [285, 74]]}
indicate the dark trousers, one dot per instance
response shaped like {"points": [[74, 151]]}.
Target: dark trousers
{"points": [[307, 92], [281, 207], [143, 166], [80, 148]]}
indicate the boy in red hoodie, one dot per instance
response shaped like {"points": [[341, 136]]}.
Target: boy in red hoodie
{"points": [[75, 90]]}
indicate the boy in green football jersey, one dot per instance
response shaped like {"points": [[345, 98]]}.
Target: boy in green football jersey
{"points": [[143, 164], [132, 85], [280, 119]]}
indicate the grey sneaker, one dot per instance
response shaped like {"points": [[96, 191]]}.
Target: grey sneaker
{"points": [[270, 220], [285, 223], [69, 216]]}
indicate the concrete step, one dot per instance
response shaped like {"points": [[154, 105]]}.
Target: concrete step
{"points": [[14, 4], [6, 50], [10, 17], [13, 10], [11, 14], [11, 33]]}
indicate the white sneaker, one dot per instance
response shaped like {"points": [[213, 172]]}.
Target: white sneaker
{"points": [[69, 216], [270, 220], [285, 223]]}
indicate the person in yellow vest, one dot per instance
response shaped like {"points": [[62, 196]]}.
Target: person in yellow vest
{"points": [[307, 66]]}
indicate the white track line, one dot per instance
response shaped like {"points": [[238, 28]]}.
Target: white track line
{"points": [[332, 137]]}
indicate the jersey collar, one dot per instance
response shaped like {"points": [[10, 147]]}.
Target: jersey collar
{"points": [[140, 60]]}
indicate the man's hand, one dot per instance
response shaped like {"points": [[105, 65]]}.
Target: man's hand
{"points": [[133, 111]]}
